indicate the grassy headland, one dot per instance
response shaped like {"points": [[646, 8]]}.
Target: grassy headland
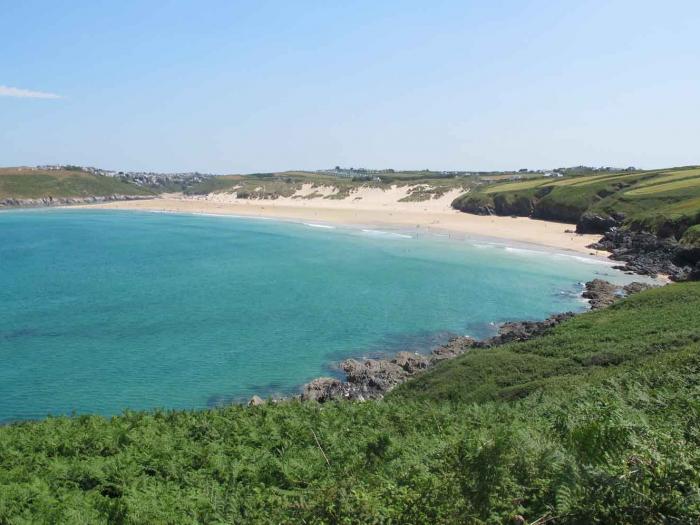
{"points": [[32, 183], [595, 422], [665, 202]]}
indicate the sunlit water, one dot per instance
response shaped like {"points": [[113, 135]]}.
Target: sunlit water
{"points": [[102, 311]]}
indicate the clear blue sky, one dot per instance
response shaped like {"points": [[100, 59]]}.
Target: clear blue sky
{"points": [[228, 87]]}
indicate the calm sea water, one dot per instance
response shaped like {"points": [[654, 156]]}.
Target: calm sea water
{"points": [[102, 311]]}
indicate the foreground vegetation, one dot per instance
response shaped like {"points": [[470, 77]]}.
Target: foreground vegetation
{"points": [[665, 202], [30, 183], [596, 422]]}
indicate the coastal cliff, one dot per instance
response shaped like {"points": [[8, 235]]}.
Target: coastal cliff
{"points": [[649, 219], [45, 202], [28, 187]]}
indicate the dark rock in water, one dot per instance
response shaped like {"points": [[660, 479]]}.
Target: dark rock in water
{"points": [[645, 253], [256, 401]]}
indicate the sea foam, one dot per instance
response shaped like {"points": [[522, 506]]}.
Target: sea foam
{"points": [[387, 234], [326, 226]]}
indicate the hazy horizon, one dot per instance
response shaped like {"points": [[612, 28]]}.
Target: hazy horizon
{"points": [[234, 87]]}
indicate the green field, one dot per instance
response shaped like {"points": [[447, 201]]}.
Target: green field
{"points": [[596, 422], [662, 201], [515, 186], [30, 183], [650, 189]]}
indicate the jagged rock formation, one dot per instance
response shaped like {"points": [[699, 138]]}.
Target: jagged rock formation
{"points": [[647, 254]]}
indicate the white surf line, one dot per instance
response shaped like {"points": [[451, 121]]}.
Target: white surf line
{"points": [[383, 233], [314, 225]]}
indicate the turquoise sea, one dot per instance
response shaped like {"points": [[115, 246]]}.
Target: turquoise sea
{"points": [[102, 311]]}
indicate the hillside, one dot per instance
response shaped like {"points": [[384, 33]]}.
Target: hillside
{"points": [[36, 184], [596, 422], [664, 202]]}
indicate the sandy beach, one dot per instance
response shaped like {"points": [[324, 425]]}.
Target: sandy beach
{"points": [[375, 207]]}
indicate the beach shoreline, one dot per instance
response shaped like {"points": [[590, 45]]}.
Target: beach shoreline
{"points": [[434, 217]]}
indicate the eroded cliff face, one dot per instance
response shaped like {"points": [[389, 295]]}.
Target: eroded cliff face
{"points": [[667, 251], [537, 204]]}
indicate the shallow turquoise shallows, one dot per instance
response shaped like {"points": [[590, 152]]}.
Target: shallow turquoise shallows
{"points": [[101, 311]]}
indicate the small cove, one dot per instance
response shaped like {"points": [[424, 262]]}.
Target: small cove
{"points": [[105, 310]]}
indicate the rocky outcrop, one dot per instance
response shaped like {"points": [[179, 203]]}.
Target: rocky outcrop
{"points": [[596, 223], [411, 362], [647, 254], [367, 378], [67, 201], [373, 378], [524, 330], [602, 293], [454, 347]]}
